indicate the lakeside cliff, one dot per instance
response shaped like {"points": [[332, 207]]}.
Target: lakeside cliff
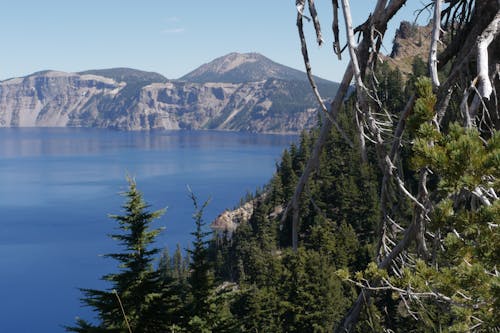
{"points": [[237, 92]]}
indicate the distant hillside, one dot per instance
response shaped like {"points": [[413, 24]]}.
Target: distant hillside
{"points": [[128, 75], [237, 92], [135, 80]]}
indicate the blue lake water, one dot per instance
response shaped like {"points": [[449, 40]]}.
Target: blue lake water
{"points": [[57, 187]]}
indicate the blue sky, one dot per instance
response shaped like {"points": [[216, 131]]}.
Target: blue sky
{"points": [[166, 36]]}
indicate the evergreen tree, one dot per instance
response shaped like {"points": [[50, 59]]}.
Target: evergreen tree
{"points": [[201, 281], [208, 308], [288, 176], [136, 298], [257, 309], [165, 265], [312, 298], [180, 265]]}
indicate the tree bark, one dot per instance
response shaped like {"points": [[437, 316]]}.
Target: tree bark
{"points": [[434, 44]]}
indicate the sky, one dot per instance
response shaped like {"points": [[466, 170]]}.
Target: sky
{"points": [[171, 37]]}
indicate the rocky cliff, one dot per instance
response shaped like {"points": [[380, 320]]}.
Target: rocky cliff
{"points": [[229, 220], [53, 98], [410, 41], [240, 92]]}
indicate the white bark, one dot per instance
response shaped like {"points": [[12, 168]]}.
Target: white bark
{"points": [[485, 88], [312, 82], [360, 87], [352, 47], [335, 29], [434, 44], [479, 193], [317, 26], [482, 81], [489, 34]]}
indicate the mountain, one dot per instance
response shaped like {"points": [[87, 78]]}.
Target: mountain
{"points": [[243, 67], [262, 97]]}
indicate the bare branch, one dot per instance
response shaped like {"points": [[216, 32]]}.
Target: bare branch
{"points": [[360, 88], [352, 48], [312, 82], [398, 133], [317, 27], [335, 29], [434, 43], [479, 193], [362, 136]]}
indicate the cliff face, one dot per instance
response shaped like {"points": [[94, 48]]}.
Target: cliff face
{"points": [[128, 99], [223, 106], [410, 41], [52, 98]]}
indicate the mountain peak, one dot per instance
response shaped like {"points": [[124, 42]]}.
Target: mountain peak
{"points": [[242, 67], [232, 60]]}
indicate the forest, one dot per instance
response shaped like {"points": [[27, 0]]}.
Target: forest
{"points": [[384, 218]]}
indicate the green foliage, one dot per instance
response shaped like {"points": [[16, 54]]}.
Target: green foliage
{"points": [[423, 111], [460, 157], [201, 280], [313, 294], [461, 289], [390, 88], [257, 309], [282, 291], [287, 174], [419, 69], [137, 285], [207, 308]]}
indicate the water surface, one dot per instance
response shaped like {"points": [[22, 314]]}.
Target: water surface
{"points": [[57, 187]]}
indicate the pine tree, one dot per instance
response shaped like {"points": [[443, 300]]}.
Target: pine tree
{"points": [[165, 265], [135, 299], [288, 176], [208, 307], [311, 293], [179, 265], [200, 279]]}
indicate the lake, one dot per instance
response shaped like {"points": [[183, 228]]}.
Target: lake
{"points": [[58, 186]]}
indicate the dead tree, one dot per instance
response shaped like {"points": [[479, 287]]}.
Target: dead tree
{"points": [[472, 28]]}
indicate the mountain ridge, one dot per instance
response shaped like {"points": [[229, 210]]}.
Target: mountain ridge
{"points": [[275, 99], [127, 74]]}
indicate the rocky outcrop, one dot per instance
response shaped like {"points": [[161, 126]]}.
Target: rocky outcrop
{"points": [[410, 41], [229, 220], [129, 99]]}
